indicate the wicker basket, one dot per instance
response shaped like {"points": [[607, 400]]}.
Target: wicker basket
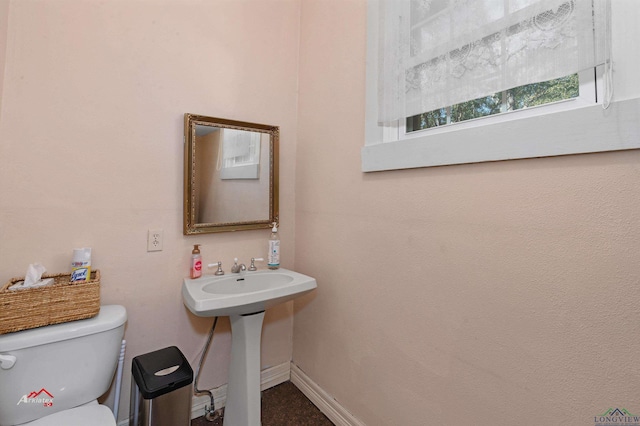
{"points": [[55, 303]]}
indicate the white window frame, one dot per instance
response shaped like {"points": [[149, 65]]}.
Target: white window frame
{"points": [[589, 86], [567, 127]]}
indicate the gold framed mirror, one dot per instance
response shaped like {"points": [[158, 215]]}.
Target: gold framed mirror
{"points": [[230, 175]]}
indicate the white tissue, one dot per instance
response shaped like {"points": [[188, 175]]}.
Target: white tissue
{"points": [[33, 278], [34, 273]]}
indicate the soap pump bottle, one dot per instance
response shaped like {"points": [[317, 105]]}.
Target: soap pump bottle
{"points": [[196, 262], [273, 258]]}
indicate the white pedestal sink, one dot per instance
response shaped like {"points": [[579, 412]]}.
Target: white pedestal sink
{"points": [[243, 297]]}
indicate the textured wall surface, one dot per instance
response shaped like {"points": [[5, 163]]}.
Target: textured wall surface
{"points": [[497, 293], [482, 294], [91, 150]]}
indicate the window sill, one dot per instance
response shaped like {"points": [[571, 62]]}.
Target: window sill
{"points": [[577, 131], [249, 171]]}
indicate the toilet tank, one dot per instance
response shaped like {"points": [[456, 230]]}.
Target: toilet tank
{"points": [[59, 366]]}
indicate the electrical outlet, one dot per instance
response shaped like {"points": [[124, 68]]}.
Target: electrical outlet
{"points": [[154, 240]]}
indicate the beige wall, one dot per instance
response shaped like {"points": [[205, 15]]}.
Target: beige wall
{"points": [[91, 149], [4, 15], [498, 293]]}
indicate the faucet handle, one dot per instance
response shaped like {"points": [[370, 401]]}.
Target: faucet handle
{"points": [[252, 267], [219, 265]]}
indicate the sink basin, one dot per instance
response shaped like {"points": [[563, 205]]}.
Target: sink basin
{"points": [[244, 298], [241, 294]]}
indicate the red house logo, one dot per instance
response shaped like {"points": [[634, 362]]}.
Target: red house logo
{"points": [[42, 396]]}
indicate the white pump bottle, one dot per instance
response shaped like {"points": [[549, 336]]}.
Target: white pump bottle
{"points": [[273, 257]]}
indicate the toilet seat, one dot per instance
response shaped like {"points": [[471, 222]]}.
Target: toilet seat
{"points": [[94, 415]]}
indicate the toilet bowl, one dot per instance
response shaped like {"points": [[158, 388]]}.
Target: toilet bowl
{"points": [[56, 373], [86, 415]]}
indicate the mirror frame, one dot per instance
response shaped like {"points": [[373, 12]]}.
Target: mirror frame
{"points": [[190, 226]]}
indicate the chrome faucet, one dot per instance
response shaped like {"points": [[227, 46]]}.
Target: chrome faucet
{"points": [[236, 269]]}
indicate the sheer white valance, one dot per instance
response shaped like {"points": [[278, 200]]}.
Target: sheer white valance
{"points": [[437, 53]]}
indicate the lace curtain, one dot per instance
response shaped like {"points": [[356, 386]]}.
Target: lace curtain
{"points": [[239, 148], [436, 53]]}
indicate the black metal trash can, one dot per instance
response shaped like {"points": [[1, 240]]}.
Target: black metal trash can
{"points": [[160, 389]]}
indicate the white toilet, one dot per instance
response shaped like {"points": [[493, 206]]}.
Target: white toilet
{"points": [[53, 375]]}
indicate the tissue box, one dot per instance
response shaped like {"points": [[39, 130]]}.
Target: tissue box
{"points": [[59, 302]]}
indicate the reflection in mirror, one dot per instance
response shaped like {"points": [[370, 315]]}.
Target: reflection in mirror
{"points": [[230, 175]]}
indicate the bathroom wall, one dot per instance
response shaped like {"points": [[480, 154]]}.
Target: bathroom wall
{"points": [[481, 294], [477, 294], [4, 15], [91, 149]]}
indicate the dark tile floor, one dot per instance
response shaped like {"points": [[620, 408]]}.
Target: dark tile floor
{"points": [[282, 405]]}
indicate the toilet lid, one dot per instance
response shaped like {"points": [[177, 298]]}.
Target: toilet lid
{"points": [[94, 415]]}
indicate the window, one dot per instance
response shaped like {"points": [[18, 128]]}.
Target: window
{"points": [[518, 98], [426, 97], [239, 156]]}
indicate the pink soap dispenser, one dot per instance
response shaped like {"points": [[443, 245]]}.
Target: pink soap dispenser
{"points": [[196, 262]]}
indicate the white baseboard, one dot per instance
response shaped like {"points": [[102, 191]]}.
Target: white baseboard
{"points": [[269, 377], [321, 399], [273, 376]]}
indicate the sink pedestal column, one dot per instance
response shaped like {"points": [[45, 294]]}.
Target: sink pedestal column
{"points": [[243, 391]]}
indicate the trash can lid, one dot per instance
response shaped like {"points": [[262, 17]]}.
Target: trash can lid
{"points": [[160, 372]]}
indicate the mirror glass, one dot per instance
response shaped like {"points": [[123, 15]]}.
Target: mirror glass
{"points": [[230, 175]]}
